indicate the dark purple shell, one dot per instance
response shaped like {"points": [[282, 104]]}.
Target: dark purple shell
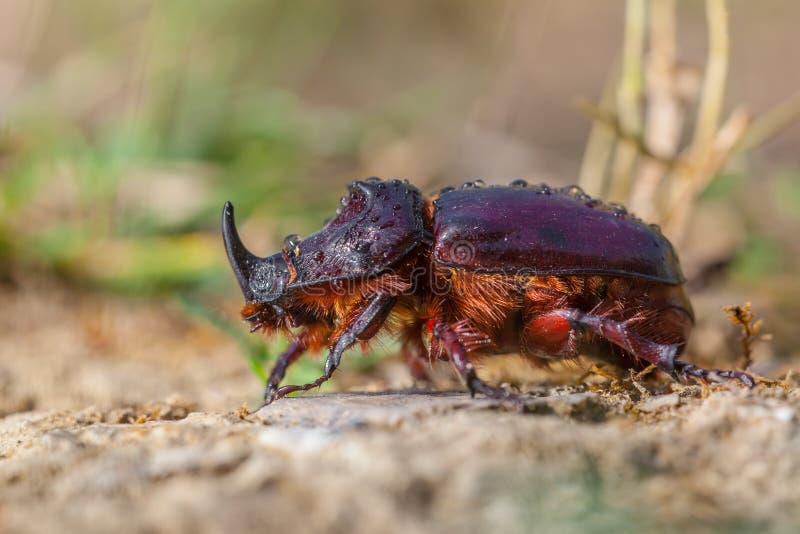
{"points": [[543, 231], [377, 224]]}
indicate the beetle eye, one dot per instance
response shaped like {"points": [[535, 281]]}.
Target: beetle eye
{"points": [[264, 283]]}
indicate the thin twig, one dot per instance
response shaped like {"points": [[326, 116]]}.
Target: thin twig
{"points": [[744, 318], [664, 112], [629, 97], [771, 123], [610, 120], [713, 96], [702, 159], [600, 144], [697, 172]]}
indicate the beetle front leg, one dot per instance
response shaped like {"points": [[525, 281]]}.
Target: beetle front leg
{"points": [[289, 356], [378, 306], [448, 338]]}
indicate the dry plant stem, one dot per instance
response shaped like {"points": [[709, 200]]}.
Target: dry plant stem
{"points": [[677, 178], [600, 144], [665, 113], [771, 123], [689, 181], [629, 98], [743, 317], [609, 119], [646, 371], [713, 96], [595, 369], [636, 378], [697, 172]]}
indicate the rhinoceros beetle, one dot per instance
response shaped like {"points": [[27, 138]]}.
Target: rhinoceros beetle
{"points": [[546, 272]]}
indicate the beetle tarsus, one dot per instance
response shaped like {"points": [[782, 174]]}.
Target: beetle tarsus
{"points": [[475, 384], [685, 370], [285, 390]]}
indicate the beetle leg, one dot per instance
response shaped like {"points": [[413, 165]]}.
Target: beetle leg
{"points": [[447, 337], [415, 357], [413, 350], [289, 356], [618, 333], [621, 335], [685, 370], [376, 307]]}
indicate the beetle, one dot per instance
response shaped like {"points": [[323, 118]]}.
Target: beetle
{"points": [[468, 272]]}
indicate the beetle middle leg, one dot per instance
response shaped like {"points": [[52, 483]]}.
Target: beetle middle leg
{"points": [[622, 335], [376, 308], [447, 337]]}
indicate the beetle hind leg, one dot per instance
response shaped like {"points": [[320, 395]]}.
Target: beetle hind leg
{"points": [[448, 338], [621, 334]]}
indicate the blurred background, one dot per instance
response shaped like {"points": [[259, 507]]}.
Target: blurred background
{"points": [[124, 126]]}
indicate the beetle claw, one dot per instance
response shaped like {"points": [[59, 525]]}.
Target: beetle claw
{"points": [[476, 385], [269, 394]]}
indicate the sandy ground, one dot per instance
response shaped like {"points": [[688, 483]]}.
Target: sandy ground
{"points": [[125, 417]]}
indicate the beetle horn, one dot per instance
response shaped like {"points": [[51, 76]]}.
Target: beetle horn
{"points": [[242, 260]]}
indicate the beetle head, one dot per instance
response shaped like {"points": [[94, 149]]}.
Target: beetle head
{"points": [[263, 280]]}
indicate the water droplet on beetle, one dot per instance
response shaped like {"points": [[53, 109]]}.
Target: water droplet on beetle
{"points": [[542, 189], [574, 191]]}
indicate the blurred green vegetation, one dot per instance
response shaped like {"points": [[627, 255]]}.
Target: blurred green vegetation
{"points": [[115, 163], [148, 116], [139, 120]]}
